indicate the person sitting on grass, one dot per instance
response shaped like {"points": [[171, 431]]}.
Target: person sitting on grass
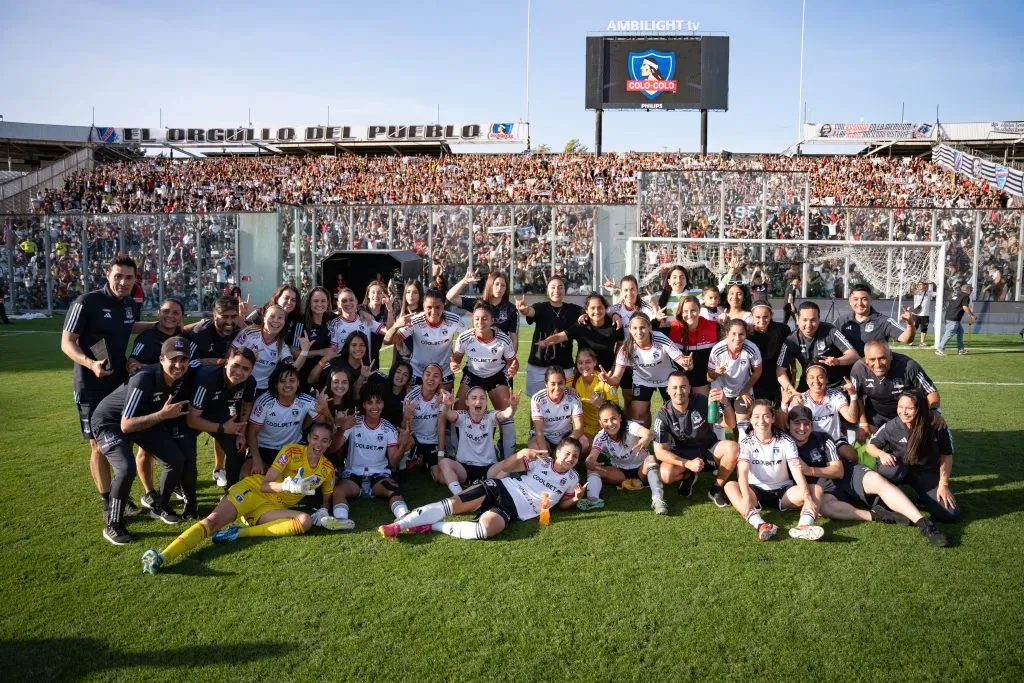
{"points": [[618, 455], [263, 502], [501, 501], [846, 484], [769, 476]]}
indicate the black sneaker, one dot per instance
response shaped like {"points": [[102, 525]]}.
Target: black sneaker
{"points": [[884, 515], [719, 498], [932, 533], [130, 509], [148, 501], [164, 515], [179, 492], [686, 485], [117, 534]]}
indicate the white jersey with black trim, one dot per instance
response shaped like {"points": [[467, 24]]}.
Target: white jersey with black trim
{"points": [[769, 468], [622, 455], [431, 343], [540, 478], [282, 424], [268, 355], [738, 368], [825, 415], [626, 314], [485, 358], [557, 417], [424, 419], [476, 439], [652, 364], [368, 447], [339, 330]]}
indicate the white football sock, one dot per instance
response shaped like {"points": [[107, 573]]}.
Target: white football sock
{"points": [[341, 511], [508, 439], [426, 514], [455, 487], [806, 518], [470, 531], [755, 519], [399, 509], [657, 488], [594, 485]]}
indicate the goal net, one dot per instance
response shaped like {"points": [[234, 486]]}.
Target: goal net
{"points": [[826, 268]]}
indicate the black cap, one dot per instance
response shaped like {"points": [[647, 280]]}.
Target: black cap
{"points": [[175, 346], [800, 412]]}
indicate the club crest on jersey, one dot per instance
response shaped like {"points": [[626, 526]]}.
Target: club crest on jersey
{"points": [[380, 437], [870, 327], [651, 73], [239, 498], [295, 412], [820, 345]]}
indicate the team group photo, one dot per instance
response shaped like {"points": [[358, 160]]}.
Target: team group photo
{"points": [[705, 414]]}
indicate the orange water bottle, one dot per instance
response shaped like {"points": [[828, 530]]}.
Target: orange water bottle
{"points": [[545, 509]]}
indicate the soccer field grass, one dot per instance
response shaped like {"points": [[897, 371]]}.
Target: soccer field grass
{"points": [[618, 594]]}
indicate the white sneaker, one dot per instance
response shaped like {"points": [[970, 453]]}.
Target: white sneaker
{"points": [[220, 478], [810, 532]]}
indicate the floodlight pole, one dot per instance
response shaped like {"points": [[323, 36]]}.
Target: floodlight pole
{"points": [[597, 131], [528, 11], [703, 132], [800, 102]]}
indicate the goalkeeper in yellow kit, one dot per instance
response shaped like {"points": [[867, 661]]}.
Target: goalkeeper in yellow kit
{"points": [[263, 501]]}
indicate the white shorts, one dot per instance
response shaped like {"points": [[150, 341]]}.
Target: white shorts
{"points": [[535, 378]]}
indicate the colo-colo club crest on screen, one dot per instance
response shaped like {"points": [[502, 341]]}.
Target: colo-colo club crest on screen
{"points": [[651, 73]]}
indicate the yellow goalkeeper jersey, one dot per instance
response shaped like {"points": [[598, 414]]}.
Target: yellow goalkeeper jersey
{"points": [[289, 460]]}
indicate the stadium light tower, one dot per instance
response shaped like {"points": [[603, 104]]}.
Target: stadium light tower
{"points": [[529, 7], [800, 101]]}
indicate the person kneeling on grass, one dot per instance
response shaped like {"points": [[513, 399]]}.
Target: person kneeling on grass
{"points": [[503, 500], [844, 484], [477, 426], [769, 474], [619, 454], [263, 501]]}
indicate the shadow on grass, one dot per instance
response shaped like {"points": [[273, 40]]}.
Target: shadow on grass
{"points": [[78, 658]]}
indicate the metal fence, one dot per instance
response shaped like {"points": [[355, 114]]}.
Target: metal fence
{"points": [[984, 245]]}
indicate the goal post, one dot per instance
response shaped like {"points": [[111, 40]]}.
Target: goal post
{"points": [[891, 268]]}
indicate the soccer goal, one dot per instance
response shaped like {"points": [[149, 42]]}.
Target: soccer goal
{"points": [[826, 268]]}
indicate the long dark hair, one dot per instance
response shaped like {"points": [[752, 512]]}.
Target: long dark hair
{"points": [[766, 404], [348, 399], [627, 341], [666, 288], [307, 311], [688, 299], [346, 347], [485, 294], [745, 303], [290, 318], [612, 405], [404, 310], [586, 305], [391, 376], [921, 439], [636, 303]]}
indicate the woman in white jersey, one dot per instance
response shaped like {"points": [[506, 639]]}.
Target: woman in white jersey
{"points": [[477, 426], [621, 313], [490, 362], [769, 475], [651, 356], [349, 319], [735, 364], [427, 404], [502, 500], [279, 417], [269, 346], [556, 413], [829, 407], [372, 455], [619, 453], [431, 333]]}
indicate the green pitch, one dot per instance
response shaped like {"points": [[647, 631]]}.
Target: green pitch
{"points": [[617, 594]]}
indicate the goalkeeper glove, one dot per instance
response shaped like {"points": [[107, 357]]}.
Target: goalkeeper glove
{"points": [[292, 485]]}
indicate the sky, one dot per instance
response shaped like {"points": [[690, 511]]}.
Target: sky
{"points": [[206, 64]]}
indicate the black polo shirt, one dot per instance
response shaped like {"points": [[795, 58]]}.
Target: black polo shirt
{"points": [[689, 428], [548, 320], [215, 398], [146, 348], [818, 451], [893, 437], [144, 393], [770, 343], [95, 316], [879, 395], [506, 317], [827, 341], [600, 340], [876, 327], [207, 342]]}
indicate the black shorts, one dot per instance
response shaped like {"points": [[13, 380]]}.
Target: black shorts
{"points": [[827, 485], [851, 487], [634, 473], [876, 420], [357, 479], [921, 322], [85, 411], [498, 379], [267, 455], [691, 452], [496, 499], [646, 393], [769, 498], [627, 379], [424, 452], [475, 473]]}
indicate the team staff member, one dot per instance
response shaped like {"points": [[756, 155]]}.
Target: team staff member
{"points": [[595, 330], [101, 321], [911, 451], [263, 502], [221, 404], [685, 443], [955, 309], [548, 318], [923, 309], [880, 378], [769, 337], [137, 413], [815, 342], [865, 324], [211, 340]]}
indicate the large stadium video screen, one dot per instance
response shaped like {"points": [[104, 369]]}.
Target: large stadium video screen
{"points": [[657, 72]]}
